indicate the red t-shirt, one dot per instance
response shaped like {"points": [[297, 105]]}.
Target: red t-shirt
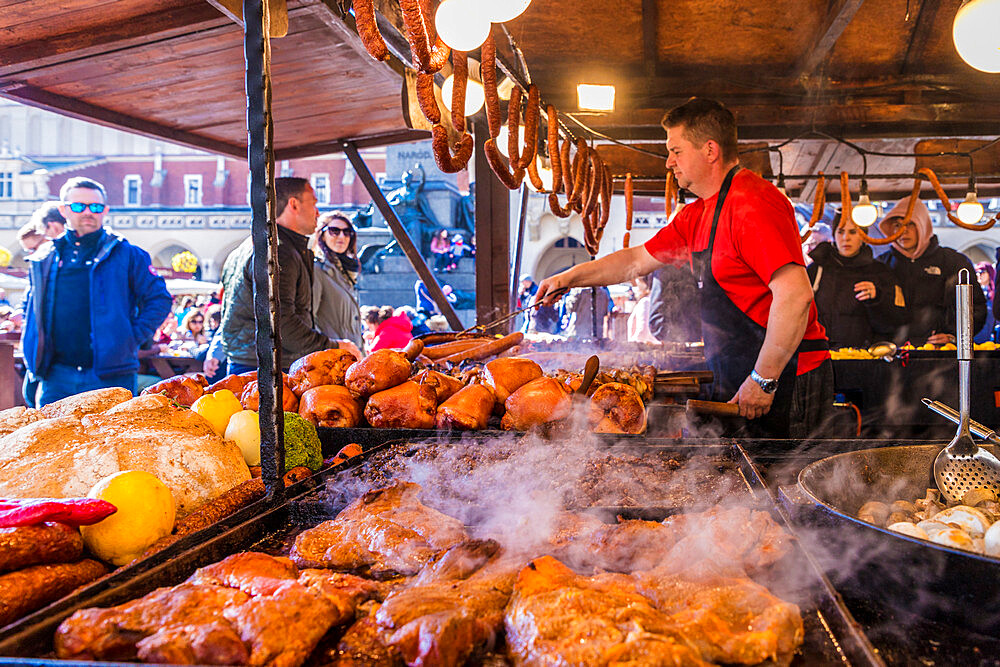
{"points": [[756, 236]]}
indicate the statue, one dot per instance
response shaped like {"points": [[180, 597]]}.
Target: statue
{"points": [[413, 210]]}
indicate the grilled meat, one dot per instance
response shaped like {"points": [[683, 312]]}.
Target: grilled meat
{"points": [[385, 531], [331, 406], [535, 404], [380, 370], [617, 408], [42, 543], [508, 374], [252, 572], [469, 409], [406, 405], [325, 367], [444, 386]]}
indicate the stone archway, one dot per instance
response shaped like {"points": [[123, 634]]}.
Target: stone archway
{"points": [[559, 256], [980, 252], [165, 251]]}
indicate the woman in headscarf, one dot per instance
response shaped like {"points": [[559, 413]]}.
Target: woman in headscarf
{"points": [[335, 301], [858, 299]]}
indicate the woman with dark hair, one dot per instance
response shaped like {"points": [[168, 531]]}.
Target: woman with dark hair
{"points": [[987, 277], [858, 299], [441, 249], [335, 279]]}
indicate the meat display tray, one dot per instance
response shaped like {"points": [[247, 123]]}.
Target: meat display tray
{"points": [[832, 637]]}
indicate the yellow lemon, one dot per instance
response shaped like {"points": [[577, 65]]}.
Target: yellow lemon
{"points": [[145, 514], [217, 408], [244, 430]]}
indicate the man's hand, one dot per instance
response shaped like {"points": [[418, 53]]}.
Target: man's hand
{"points": [[754, 402], [350, 347], [941, 339], [211, 366], [864, 291], [553, 287]]}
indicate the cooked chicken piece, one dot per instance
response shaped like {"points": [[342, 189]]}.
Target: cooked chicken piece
{"points": [[729, 620], [453, 608], [380, 370], [318, 369], [250, 398], [181, 389], [468, 410], [363, 646], [252, 572], [344, 591], [331, 406], [207, 644], [112, 634], [535, 404], [617, 408], [385, 531], [407, 405], [283, 628], [508, 374], [556, 617], [234, 383], [445, 386]]}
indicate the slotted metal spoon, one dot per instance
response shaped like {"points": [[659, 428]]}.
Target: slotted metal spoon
{"points": [[963, 465]]}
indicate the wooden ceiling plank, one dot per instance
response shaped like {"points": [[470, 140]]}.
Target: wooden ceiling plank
{"points": [[102, 116], [112, 36], [837, 20], [925, 24], [650, 24]]}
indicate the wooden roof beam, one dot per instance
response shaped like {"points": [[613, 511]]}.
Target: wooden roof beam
{"points": [[74, 108], [925, 24], [276, 9], [837, 20], [115, 35], [650, 23]]}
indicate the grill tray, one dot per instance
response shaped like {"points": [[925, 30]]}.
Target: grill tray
{"points": [[832, 636]]}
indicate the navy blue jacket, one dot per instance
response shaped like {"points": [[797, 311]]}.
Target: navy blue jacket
{"points": [[128, 302]]}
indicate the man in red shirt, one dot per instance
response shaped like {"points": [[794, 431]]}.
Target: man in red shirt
{"points": [[763, 342]]}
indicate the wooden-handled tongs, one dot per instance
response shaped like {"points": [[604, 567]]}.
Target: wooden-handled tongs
{"points": [[506, 318]]}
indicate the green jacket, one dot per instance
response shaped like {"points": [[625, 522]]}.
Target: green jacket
{"points": [[297, 329]]}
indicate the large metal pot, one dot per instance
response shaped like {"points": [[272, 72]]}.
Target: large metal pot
{"points": [[914, 575]]}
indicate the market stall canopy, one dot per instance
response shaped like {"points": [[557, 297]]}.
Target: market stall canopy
{"points": [[174, 69]]}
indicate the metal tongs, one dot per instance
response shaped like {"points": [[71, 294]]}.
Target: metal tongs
{"points": [[952, 415], [963, 465], [509, 316]]}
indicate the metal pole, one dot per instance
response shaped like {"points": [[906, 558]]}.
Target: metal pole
{"points": [[518, 249], [405, 242], [264, 230]]}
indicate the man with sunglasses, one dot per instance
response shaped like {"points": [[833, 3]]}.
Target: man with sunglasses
{"points": [[93, 298]]}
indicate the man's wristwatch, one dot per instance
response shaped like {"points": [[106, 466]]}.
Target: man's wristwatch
{"points": [[768, 385]]}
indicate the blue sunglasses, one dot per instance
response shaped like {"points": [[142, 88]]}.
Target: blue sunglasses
{"points": [[78, 207]]}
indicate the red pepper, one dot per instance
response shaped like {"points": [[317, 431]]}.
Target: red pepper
{"points": [[71, 511]]}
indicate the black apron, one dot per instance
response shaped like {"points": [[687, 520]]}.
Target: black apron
{"points": [[733, 340]]}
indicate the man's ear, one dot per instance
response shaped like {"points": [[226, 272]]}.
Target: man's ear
{"points": [[712, 150]]}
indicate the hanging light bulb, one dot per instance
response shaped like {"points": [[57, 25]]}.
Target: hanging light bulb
{"points": [[975, 33], [865, 213], [503, 137], [970, 211], [475, 96], [544, 173], [505, 10], [461, 24]]}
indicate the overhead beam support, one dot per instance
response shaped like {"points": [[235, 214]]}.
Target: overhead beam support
{"points": [[404, 240], [276, 9], [493, 278], [74, 108], [650, 23], [840, 16], [925, 25]]}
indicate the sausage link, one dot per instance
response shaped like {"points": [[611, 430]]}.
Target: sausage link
{"points": [[447, 162], [228, 503], [629, 201], [416, 33], [460, 73], [446, 349], [553, 145], [426, 97], [534, 177], [532, 111], [27, 590], [606, 194], [595, 181], [511, 180], [364, 18], [488, 52], [38, 544], [490, 349], [514, 128], [567, 169]]}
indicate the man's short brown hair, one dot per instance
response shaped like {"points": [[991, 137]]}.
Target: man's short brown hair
{"points": [[705, 119], [285, 188]]}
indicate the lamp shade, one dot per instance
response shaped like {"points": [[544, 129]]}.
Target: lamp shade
{"points": [[475, 96], [462, 24], [976, 32]]}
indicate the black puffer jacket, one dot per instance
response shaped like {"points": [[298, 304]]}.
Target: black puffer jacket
{"points": [[299, 336], [928, 284], [849, 322]]}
